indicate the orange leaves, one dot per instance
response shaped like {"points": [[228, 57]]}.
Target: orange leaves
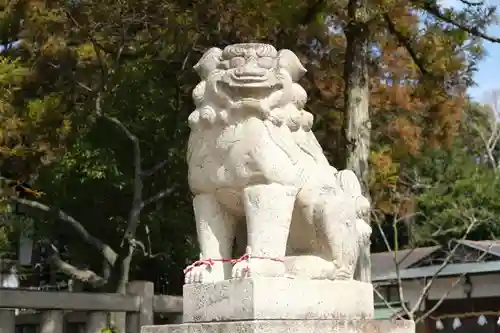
{"points": [[408, 136], [444, 121], [383, 178]]}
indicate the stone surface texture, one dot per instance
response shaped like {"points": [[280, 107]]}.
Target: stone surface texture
{"points": [[289, 326], [277, 298], [252, 157]]}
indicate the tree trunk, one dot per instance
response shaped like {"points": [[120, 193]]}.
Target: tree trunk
{"points": [[357, 126]]}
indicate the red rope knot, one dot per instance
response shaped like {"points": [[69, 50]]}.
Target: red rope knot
{"points": [[202, 262], [210, 262], [244, 257]]}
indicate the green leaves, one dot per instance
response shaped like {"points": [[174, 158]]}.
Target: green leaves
{"points": [[458, 191]]}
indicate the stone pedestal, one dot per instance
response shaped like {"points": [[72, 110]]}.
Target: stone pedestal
{"points": [[280, 305], [289, 326], [277, 298]]}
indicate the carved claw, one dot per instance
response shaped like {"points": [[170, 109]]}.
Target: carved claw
{"points": [[208, 62], [291, 63], [340, 272], [241, 269], [198, 274]]}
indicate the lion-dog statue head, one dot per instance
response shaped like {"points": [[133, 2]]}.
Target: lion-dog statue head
{"points": [[249, 79]]}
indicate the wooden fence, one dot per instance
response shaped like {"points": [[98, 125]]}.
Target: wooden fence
{"points": [[139, 305]]}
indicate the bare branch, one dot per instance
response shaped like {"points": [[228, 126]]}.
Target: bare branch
{"points": [[123, 128], [154, 169], [469, 219], [158, 196], [84, 86], [489, 143], [440, 301], [452, 287], [83, 275], [471, 3], [146, 252], [387, 304], [107, 252], [137, 203], [428, 285]]}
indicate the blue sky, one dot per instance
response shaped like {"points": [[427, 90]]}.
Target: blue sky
{"points": [[487, 78]]}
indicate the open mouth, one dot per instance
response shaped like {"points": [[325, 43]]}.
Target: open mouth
{"points": [[255, 90]]}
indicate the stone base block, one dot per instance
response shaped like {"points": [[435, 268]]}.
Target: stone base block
{"points": [[289, 326], [277, 298]]}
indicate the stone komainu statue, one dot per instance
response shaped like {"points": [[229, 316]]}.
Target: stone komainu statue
{"points": [[252, 157]]}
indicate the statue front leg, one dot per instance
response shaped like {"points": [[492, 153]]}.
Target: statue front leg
{"points": [[363, 265], [215, 228], [268, 210], [337, 220]]}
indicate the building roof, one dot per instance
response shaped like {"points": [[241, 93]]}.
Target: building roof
{"points": [[383, 262], [491, 246], [448, 270], [383, 265]]}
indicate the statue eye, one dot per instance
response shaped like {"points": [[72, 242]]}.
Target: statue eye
{"points": [[237, 62], [266, 62]]}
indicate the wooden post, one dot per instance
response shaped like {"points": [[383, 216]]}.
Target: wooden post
{"points": [[135, 321], [96, 322], [52, 322], [7, 321]]}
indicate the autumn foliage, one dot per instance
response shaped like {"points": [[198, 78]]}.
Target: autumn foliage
{"points": [[65, 64]]}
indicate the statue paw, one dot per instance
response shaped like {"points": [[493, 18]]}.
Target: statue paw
{"points": [[258, 267], [249, 265], [241, 269], [204, 271], [199, 274], [340, 273]]}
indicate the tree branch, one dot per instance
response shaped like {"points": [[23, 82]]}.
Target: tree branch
{"points": [[158, 196], [429, 284], [386, 303], [83, 275], [396, 267], [445, 295], [406, 43], [107, 252], [154, 169], [433, 9], [470, 220], [147, 252]]}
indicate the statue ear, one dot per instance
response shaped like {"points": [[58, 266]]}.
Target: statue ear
{"points": [[208, 62], [291, 63]]}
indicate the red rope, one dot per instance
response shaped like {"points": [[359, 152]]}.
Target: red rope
{"points": [[211, 262]]}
